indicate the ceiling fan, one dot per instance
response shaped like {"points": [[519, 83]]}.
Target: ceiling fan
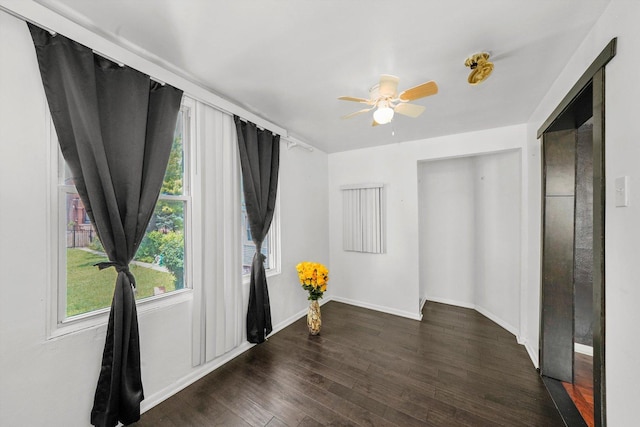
{"points": [[385, 99]]}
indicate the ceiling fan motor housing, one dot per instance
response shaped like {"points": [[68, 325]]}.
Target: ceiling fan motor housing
{"points": [[384, 97], [480, 67]]}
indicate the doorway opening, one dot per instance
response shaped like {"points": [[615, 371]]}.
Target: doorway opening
{"points": [[572, 317], [469, 223]]}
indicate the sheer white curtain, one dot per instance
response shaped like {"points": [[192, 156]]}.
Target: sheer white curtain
{"points": [[219, 319]]}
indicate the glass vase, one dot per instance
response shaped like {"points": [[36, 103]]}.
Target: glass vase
{"points": [[314, 320]]}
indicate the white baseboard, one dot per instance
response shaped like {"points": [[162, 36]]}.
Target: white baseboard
{"points": [[198, 372], [280, 326], [451, 302], [479, 309], [203, 370], [401, 313], [505, 325], [533, 355], [583, 349]]}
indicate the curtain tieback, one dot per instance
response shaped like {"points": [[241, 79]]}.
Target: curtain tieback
{"points": [[259, 251], [120, 268], [261, 256]]}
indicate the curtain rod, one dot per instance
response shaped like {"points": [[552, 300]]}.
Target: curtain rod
{"points": [[222, 110], [121, 64], [54, 33], [290, 140], [295, 142], [17, 15], [283, 132]]}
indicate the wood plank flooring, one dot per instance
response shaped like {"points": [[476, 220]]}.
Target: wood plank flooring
{"points": [[581, 391], [455, 368]]}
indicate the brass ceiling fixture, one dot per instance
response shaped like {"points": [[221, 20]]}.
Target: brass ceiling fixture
{"points": [[385, 98], [480, 66]]}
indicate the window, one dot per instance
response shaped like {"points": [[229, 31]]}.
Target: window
{"points": [[363, 218], [159, 264], [270, 245]]}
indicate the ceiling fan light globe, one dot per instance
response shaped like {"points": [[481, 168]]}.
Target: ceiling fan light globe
{"points": [[383, 115]]}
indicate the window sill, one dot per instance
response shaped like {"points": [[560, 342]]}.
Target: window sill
{"points": [[269, 273], [99, 318]]}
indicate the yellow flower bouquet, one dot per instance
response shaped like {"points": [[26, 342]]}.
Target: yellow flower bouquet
{"points": [[313, 278]]}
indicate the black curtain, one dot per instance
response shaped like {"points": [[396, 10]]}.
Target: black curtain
{"points": [[260, 161], [115, 128]]}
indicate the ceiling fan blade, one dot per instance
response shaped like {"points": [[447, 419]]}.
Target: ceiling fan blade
{"points": [[411, 110], [420, 91], [355, 113], [354, 99], [388, 85]]}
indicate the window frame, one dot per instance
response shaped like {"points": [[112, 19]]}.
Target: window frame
{"points": [[58, 322]]}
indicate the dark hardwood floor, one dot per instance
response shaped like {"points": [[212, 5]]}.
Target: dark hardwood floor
{"points": [[455, 368]]}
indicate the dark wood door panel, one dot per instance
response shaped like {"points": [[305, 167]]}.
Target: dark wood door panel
{"points": [[557, 292], [560, 163]]}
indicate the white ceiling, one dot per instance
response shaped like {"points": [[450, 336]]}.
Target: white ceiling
{"points": [[288, 60]]}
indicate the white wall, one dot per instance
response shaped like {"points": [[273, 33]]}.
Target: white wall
{"points": [[304, 220], [469, 223], [31, 366], [622, 227], [52, 381], [447, 230], [498, 237], [391, 281]]}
